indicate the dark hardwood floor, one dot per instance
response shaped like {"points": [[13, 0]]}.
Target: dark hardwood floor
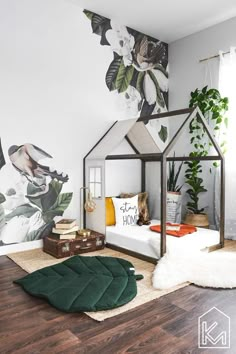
{"points": [[166, 325]]}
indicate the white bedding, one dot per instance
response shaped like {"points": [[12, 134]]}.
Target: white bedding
{"points": [[142, 240]]}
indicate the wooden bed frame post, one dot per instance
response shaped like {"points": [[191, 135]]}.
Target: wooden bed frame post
{"points": [[163, 205], [143, 176], [222, 176], [222, 202]]}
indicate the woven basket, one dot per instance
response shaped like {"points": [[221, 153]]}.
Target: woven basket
{"points": [[198, 220]]}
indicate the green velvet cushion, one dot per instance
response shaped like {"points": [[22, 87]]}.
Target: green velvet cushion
{"points": [[84, 283]]}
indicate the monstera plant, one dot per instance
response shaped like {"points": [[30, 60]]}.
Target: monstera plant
{"points": [[214, 108]]}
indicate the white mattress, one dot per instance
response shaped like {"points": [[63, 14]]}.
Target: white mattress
{"points": [[142, 240]]}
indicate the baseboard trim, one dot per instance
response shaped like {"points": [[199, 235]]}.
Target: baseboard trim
{"points": [[19, 247]]}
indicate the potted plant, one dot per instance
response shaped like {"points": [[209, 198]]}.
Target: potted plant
{"points": [[213, 107], [173, 194], [195, 215]]}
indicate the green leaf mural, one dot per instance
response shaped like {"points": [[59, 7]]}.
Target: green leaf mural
{"points": [[160, 99], [112, 73], [89, 14], [124, 76], [39, 233], [57, 186], [161, 68], [63, 201], [97, 23], [147, 109], [59, 207], [2, 198], [26, 209], [163, 133], [139, 84], [46, 200]]}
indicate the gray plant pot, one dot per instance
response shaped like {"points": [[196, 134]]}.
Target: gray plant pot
{"points": [[173, 212]]}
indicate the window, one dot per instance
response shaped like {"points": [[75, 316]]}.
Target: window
{"points": [[95, 181]]}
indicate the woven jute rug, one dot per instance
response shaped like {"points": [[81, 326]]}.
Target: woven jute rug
{"points": [[36, 259]]}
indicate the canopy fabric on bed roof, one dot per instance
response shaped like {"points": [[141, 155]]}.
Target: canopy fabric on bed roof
{"points": [[111, 139], [139, 136]]}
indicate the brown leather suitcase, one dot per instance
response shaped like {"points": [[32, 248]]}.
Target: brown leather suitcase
{"points": [[58, 248]]}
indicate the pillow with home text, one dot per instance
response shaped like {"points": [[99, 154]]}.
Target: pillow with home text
{"points": [[126, 210]]}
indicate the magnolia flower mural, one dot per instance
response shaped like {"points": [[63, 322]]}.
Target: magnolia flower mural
{"points": [[30, 195], [121, 42], [148, 54], [138, 71], [132, 99]]}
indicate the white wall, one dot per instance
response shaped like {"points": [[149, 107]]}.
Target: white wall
{"points": [[186, 74], [52, 86], [122, 176], [51, 69]]}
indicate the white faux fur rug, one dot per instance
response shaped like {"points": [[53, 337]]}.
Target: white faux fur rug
{"points": [[215, 269]]}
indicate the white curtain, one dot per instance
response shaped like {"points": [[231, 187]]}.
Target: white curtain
{"points": [[227, 87]]}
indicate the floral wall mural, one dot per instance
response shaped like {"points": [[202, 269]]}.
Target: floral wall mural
{"points": [[138, 72], [30, 194]]}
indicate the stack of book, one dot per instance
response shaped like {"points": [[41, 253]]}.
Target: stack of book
{"points": [[66, 229]]}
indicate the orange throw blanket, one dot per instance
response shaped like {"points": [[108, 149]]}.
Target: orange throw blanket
{"points": [[184, 229]]}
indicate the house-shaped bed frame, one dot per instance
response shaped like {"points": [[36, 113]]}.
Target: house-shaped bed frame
{"points": [[145, 149]]}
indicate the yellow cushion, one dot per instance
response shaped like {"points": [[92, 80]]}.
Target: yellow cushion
{"points": [[110, 212]]}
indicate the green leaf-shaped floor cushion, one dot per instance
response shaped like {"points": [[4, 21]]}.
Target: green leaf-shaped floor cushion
{"points": [[84, 283]]}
